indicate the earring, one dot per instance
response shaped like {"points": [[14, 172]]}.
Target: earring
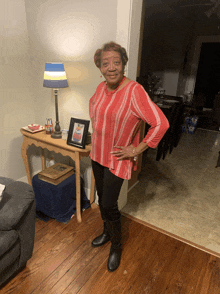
{"points": [[100, 76]]}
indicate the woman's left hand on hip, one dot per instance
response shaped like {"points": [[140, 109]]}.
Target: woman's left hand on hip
{"points": [[124, 152]]}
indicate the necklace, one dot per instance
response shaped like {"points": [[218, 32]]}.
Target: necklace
{"points": [[112, 92]]}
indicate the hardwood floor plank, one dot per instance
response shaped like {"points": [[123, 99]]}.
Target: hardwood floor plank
{"points": [[153, 266], [103, 278], [203, 283], [186, 274], [70, 267], [48, 257], [98, 261], [46, 233], [153, 262], [214, 282], [39, 224]]}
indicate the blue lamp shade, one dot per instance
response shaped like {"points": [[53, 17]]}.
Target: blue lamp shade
{"points": [[55, 76]]}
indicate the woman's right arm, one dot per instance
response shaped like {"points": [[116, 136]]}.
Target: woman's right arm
{"points": [[144, 108]]}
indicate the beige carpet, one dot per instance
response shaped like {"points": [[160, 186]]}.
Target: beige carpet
{"points": [[181, 194]]}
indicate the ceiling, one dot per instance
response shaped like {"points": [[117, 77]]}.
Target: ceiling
{"points": [[185, 2], [189, 9]]}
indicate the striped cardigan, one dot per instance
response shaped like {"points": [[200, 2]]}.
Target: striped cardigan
{"points": [[116, 117]]}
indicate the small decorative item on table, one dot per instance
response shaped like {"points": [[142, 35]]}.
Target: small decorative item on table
{"points": [[49, 126], [56, 173], [78, 130], [64, 134], [33, 128]]}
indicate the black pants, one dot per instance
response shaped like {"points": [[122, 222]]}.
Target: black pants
{"points": [[108, 188]]}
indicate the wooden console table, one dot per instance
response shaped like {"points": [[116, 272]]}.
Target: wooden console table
{"points": [[41, 139]]}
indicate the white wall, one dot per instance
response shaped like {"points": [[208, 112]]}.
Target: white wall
{"points": [[34, 32], [70, 34], [134, 37], [16, 96]]}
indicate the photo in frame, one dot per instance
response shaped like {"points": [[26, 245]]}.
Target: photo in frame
{"points": [[78, 131]]}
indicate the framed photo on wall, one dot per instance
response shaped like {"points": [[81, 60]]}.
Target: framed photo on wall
{"points": [[78, 131]]}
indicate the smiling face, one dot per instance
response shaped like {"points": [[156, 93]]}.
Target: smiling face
{"points": [[112, 68]]}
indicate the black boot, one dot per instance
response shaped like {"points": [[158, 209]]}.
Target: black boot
{"points": [[103, 238], [114, 229]]}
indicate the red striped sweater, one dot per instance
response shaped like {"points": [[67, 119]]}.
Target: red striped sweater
{"points": [[115, 119]]}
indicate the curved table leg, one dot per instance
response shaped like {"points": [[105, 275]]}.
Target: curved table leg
{"points": [[24, 148], [43, 163], [78, 188]]}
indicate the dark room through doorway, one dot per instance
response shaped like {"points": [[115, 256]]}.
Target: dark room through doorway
{"points": [[208, 74]]}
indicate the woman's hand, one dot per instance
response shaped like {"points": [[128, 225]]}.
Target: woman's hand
{"points": [[124, 152]]}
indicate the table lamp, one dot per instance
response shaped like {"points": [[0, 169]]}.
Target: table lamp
{"points": [[55, 77]]}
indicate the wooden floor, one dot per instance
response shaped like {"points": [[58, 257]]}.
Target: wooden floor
{"points": [[63, 261]]}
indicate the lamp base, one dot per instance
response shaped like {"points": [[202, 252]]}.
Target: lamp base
{"points": [[56, 135]]}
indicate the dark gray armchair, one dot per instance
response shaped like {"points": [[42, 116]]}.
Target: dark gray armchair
{"points": [[17, 228]]}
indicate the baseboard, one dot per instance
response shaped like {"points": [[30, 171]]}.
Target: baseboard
{"points": [[208, 130], [25, 180], [87, 191], [209, 251], [132, 186]]}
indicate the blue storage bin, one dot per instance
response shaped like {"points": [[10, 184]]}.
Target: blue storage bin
{"points": [[57, 201]]}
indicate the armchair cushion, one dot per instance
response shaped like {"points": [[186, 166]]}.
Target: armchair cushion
{"points": [[17, 197], [7, 240], [17, 227], [2, 187], [9, 249], [6, 181]]}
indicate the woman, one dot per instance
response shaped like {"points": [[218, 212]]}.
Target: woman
{"points": [[116, 110]]}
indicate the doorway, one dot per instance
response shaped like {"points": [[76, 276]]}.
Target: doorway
{"points": [[208, 75]]}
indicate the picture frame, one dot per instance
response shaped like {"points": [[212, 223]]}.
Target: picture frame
{"points": [[78, 130]]}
